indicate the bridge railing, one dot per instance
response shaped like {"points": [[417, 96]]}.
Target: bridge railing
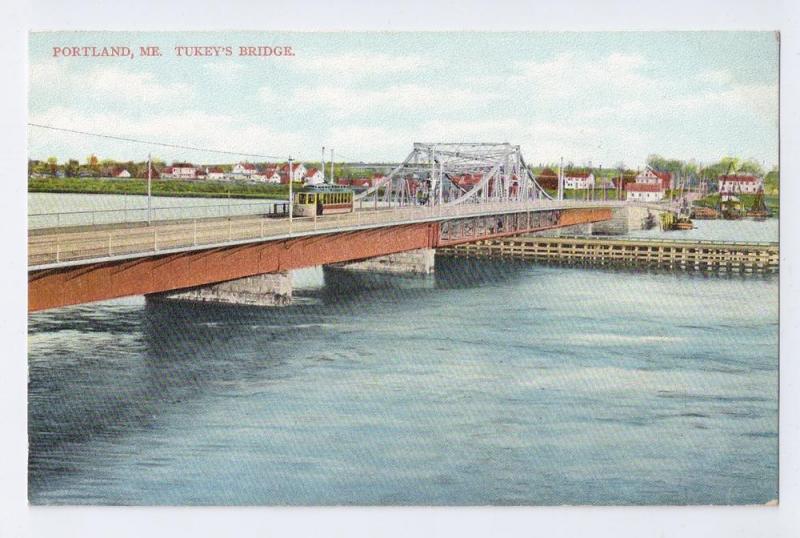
{"points": [[71, 219], [55, 248]]}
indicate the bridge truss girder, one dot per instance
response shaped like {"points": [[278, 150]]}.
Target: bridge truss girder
{"points": [[431, 175]]}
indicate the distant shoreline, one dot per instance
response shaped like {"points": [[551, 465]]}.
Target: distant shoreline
{"points": [[161, 188]]}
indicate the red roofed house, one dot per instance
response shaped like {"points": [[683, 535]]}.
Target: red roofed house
{"points": [[360, 182], [644, 192], [578, 180], [122, 173], [654, 177], [215, 172], [313, 177], [270, 175], [244, 169], [180, 171], [298, 172], [736, 184]]}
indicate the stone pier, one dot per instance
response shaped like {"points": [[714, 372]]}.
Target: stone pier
{"points": [[273, 289], [416, 262]]}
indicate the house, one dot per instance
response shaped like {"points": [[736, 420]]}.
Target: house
{"points": [[654, 177], [739, 184], [362, 182], [244, 169], [298, 172], [269, 175], [644, 192], [215, 172], [121, 173], [313, 177], [578, 180], [179, 171]]}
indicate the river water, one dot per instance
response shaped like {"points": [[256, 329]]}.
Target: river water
{"points": [[489, 383]]}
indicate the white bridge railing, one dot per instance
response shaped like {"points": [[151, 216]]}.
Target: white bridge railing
{"points": [[57, 248]]}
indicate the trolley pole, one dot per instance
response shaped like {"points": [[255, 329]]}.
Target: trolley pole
{"points": [[149, 189]]}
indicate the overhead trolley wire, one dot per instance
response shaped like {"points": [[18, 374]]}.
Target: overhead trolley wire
{"points": [[154, 143]]}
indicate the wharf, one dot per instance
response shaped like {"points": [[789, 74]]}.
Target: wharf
{"points": [[688, 255]]}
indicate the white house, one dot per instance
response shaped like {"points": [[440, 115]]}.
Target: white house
{"points": [[122, 173], [215, 173], [180, 171], [268, 175], [313, 177], [244, 169], [298, 171], [578, 180], [654, 177], [739, 184], [644, 192]]}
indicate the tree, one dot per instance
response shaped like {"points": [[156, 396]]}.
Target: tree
{"points": [[751, 166], [71, 168], [52, 163]]}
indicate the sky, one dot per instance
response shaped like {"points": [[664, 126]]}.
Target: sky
{"points": [[599, 98]]}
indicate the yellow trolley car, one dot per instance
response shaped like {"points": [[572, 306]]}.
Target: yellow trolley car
{"points": [[322, 200]]}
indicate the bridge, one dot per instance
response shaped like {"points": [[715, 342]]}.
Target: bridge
{"points": [[419, 205]]}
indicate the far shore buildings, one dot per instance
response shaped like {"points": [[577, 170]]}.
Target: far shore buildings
{"points": [[574, 180], [644, 192], [733, 184], [648, 186], [180, 171]]}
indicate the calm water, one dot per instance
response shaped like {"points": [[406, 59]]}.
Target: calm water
{"points": [[493, 382]]}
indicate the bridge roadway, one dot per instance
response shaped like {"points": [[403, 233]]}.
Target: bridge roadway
{"points": [[87, 264]]}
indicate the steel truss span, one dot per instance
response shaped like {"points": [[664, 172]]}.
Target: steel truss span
{"points": [[456, 173]]}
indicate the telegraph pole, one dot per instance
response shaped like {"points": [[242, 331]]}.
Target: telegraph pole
{"points": [[149, 188], [290, 192], [333, 181], [323, 164]]}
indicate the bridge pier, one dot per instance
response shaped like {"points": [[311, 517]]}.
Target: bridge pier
{"points": [[274, 289], [415, 262]]}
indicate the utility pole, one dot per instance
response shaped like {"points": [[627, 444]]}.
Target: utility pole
{"points": [[332, 178], [322, 163], [149, 189], [561, 179], [290, 192]]}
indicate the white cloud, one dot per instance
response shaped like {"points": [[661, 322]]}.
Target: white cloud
{"points": [[118, 84], [109, 83], [568, 75]]}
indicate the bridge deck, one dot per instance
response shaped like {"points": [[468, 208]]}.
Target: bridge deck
{"points": [[53, 248]]}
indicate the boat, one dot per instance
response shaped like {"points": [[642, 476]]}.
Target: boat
{"points": [[677, 220], [704, 213], [759, 210], [731, 208], [649, 222]]}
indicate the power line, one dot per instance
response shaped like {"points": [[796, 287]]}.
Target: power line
{"points": [[164, 144]]}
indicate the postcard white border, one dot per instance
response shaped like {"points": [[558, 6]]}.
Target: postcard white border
{"points": [[17, 519]]}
